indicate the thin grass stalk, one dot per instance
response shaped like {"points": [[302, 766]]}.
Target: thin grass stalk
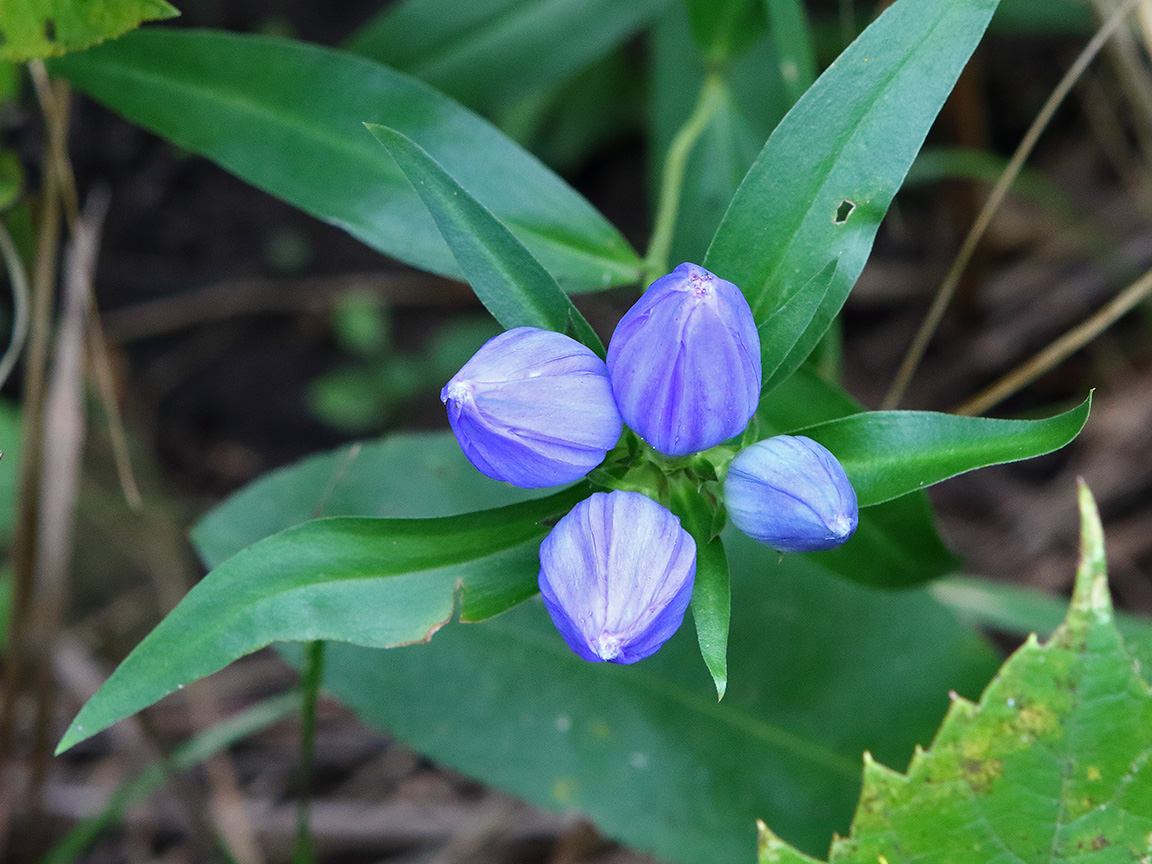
{"points": [[995, 198]]}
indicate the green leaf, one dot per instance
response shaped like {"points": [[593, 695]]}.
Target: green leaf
{"points": [[488, 52], [824, 180], [724, 28], [508, 280], [1053, 764], [753, 102], [11, 178], [895, 547], [30, 29], [5, 606], [818, 670], [10, 436], [251, 104], [712, 591], [712, 608], [329, 579], [891, 453], [421, 475], [792, 38], [782, 329]]}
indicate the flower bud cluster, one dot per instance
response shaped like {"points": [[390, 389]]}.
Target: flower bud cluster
{"points": [[536, 409]]}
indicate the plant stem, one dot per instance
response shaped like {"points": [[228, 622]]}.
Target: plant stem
{"points": [[310, 688], [672, 181]]}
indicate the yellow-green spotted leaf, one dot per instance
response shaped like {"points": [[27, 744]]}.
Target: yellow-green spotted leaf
{"points": [[49, 28], [1054, 763]]}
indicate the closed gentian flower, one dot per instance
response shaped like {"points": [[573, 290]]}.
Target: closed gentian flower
{"points": [[534, 408], [685, 362], [616, 574], [792, 494]]}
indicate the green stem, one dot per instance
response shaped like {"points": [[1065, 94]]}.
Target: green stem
{"points": [[310, 688], [672, 182]]}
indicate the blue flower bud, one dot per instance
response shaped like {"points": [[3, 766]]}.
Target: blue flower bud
{"points": [[616, 574], [685, 362], [534, 408], [792, 494]]}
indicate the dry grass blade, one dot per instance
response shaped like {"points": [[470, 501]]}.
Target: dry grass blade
{"points": [[18, 281], [19, 656], [1060, 349], [64, 426], [948, 287]]}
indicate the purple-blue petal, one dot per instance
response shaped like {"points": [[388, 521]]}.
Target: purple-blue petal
{"points": [[616, 575], [685, 362], [533, 408], [792, 494]]}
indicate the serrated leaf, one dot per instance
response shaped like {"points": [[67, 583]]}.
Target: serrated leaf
{"points": [[328, 579], [824, 180], [1054, 763], [887, 454], [508, 280], [48, 28], [288, 117]]}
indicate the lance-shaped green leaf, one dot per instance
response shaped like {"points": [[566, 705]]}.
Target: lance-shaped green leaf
{"points": [[487, 52], [376, 582], [1054, 763], [712, 591], [287, 117], [824, 180], [891, 453], [30, 29], [508, 280], [712, 609]]}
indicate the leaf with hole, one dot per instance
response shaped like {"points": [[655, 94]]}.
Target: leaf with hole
{"points": [[824, 180]]}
